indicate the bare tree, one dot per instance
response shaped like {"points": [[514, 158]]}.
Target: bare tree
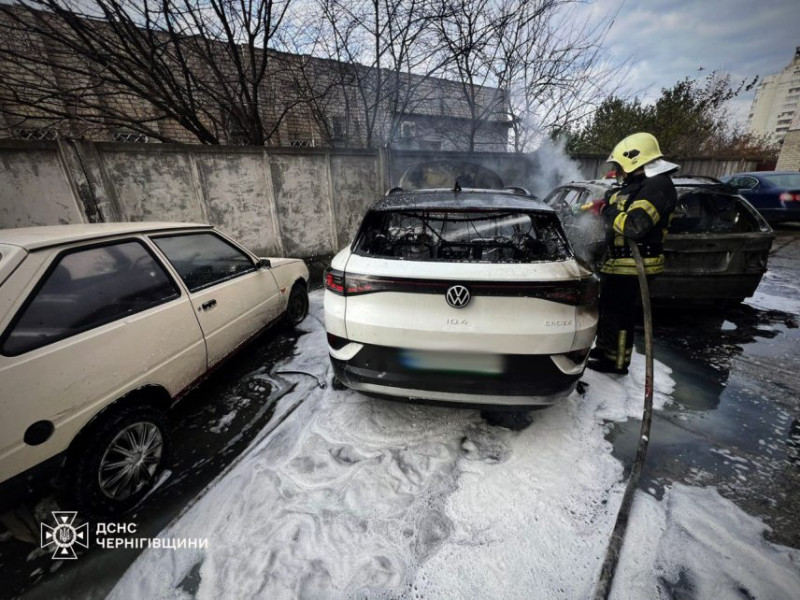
{"points": [[558, 71], [546, 63], [387, 50], [202, 65], [468, 36], [354, 70]]}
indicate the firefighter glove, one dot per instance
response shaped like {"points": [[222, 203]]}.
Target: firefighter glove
{"points": [[596, 207]]}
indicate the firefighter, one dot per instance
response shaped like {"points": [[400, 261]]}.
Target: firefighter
{"points": [[640, 210]]}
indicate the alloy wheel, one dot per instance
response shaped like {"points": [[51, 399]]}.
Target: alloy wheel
{"points": [[131, 460]]}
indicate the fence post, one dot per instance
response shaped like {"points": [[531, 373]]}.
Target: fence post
{"points": [[331, 203], [86, 176], [269, 189]]}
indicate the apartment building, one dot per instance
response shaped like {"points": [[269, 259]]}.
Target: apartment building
{"points": [[777, 102]]}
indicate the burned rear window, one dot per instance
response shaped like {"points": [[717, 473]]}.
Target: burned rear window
{"points": [[704, 212], [458, 236]]}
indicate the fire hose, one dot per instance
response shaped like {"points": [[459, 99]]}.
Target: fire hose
{"points": [[604, 584]]}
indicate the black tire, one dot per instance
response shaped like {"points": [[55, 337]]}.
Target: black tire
{"points": [[297, 305], [81, 480], [337, 385]]}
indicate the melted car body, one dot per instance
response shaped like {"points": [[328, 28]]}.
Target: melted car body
{"points": [[716, 247], [469, 296]]}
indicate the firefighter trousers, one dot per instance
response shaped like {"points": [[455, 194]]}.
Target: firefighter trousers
{"points": [[619, 311]]}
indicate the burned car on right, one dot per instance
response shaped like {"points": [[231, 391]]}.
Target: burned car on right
{"points": [[716, 246]]}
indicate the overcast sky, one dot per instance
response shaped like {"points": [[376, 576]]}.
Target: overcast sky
{"points": [[668, 40]]}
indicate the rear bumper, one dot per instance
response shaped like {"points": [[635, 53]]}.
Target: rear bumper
{"points": [[525, 380], [668, 286]]}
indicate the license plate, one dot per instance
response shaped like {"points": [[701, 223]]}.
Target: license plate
{"points": [[461, 362]]}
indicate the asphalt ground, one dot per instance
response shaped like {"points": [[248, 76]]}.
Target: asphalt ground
{"points": [[733, 424]]}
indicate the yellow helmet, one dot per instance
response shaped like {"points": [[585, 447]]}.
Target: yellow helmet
{"points": [[635, 151]]}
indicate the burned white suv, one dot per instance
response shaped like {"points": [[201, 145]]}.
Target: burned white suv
{"points": [[469, 296]]}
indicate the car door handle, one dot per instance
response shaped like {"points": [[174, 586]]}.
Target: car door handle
{"points": [[208, 305]]}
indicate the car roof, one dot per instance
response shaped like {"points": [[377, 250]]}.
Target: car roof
{"points": [[33, 238], [467, 199]]}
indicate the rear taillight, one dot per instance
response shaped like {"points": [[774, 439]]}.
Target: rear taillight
{"points": [[590, 290], [789, 197], [361, 285], [334, 281], [575, 293], [352, 285]]}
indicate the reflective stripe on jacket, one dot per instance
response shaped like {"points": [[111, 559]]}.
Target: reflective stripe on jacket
{"points": [[640, 210]]}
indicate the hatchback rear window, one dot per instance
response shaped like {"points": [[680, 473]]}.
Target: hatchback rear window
{"points": [[703, 212], [458, 236]]}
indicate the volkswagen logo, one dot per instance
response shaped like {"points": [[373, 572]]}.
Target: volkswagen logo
{"points": [[457, 296]]}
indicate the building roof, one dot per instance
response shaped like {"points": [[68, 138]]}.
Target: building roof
{"points": [[33, 238], [467, 199]]}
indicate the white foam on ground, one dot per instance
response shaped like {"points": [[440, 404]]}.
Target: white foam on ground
{"points": [[353, 497], [696, 541], [769, 302]]}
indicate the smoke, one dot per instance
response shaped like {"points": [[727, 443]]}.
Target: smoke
{"points": [[553, 168], [539, 172]]}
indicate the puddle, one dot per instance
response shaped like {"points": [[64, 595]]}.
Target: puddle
{"points": [[735, 420]]}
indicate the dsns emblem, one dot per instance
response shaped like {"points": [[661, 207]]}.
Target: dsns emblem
{"points": [[457, 296]]}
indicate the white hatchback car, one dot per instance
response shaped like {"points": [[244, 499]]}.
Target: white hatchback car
{"points": [[469, 296], [103, 327]]}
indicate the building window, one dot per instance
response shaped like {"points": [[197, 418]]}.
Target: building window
{"points": [[47, 134], [339, 127], [407, 130], [297, 140], [130, 137]]}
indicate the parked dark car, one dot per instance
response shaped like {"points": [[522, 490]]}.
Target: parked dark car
{"points": [[775, 194], [716, 247]]}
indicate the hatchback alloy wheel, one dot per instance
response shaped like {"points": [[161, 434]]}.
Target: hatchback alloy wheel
{"points": [[131, 460]]}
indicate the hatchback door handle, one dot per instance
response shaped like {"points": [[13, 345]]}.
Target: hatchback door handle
{"points": [[207, 305]]}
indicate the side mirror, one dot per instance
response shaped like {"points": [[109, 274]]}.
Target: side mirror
{"points": [[263, 263]]}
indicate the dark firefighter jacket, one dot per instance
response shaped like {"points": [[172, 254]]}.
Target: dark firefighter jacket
{"points": [[640, 210]]}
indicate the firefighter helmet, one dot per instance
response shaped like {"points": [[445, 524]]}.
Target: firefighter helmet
{"points": [[635, 151]]}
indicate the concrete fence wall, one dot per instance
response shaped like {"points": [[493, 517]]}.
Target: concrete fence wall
{"points": [[275, 201], [278, 202]]}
